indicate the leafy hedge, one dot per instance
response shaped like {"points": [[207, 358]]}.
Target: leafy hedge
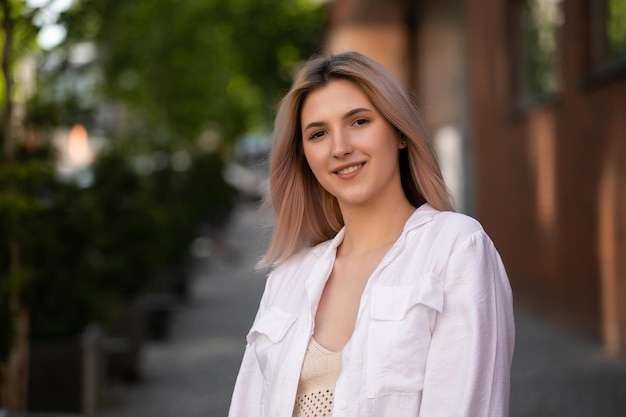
{"points": [[85, 250]]}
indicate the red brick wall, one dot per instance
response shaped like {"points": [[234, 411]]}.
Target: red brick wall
{"points": [[538, 170]]}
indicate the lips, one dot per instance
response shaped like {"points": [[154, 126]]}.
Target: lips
{"points": [[348, 169]]}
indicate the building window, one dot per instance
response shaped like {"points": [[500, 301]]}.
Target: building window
{"points": [[536, 31], [608, 33]]}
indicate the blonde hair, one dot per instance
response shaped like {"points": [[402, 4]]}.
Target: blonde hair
{"points": [[306, 214]]}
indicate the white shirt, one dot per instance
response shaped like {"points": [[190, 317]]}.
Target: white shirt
{"points": [[434, 334]]}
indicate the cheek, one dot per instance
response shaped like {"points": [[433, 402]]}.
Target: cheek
{"points": [[313, 159], [317, 166]]}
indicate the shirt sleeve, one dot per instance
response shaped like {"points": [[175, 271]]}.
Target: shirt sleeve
{"points": [[246, 399], [469, 358]]}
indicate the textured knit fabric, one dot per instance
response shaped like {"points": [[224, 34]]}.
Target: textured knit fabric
{"points": [[318, 377]]}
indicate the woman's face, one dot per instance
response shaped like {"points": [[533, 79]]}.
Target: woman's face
{"points": [[350, 147]]}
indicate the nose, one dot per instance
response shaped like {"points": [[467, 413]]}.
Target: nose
{"points": [[340, 146]]}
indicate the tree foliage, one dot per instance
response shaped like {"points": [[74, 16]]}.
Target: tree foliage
{"points": [[16, 39], [184, 65], [175, 70]]}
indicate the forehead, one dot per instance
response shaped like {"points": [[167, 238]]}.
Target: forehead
{"points": [[334, 99]]}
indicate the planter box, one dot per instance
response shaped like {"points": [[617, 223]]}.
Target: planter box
{"points": [[157, 312], [67, 376], [125, 344], [55, 377]]}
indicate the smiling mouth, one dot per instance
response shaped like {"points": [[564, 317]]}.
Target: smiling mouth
{"points": [[348, 170]]}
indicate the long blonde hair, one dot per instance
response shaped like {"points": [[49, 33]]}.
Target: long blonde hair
{"points": [[306, 214]]}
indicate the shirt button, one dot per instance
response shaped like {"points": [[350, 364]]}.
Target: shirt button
{"points": [[341, 405]]}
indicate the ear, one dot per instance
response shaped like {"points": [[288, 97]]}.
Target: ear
{"points": [[403, 142]]}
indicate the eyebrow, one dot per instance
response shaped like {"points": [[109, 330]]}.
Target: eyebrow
{"points": [[345, 116]]}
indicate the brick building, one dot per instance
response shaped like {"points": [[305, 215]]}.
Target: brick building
{"points": [[526, 103]]}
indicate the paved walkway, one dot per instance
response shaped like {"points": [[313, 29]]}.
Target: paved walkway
{"points": [[191, 374], [557, 373]]}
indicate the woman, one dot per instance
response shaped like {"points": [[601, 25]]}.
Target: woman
{"points": [[382, 300]]}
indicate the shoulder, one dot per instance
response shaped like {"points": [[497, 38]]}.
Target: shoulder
{"points": [[464, 245], [451, 229], [441, 236], [456, 223], [300, 260], [289, 276], [455, 248]]}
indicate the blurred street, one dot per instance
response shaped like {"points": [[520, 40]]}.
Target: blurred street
{"points": [[191, 373]]}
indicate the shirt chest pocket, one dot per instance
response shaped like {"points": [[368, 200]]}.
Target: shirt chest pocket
{"points": [[266, 336], [401, 322]]}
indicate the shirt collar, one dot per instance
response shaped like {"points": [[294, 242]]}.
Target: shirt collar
{"points": [[422, 215]]}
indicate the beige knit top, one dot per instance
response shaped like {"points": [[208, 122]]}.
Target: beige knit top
{"points": [[316, 388]]}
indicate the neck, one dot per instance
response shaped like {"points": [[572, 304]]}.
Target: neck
{"points": [[375, 226]]}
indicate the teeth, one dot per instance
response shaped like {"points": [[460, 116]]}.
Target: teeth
{"points": [[349, 169]]}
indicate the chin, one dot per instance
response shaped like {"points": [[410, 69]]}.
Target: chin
{"points": [[353, 201]]}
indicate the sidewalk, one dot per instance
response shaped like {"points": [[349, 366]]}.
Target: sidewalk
{"points": [[557, 373], [191, 374]]}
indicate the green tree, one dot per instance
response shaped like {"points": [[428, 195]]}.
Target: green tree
{"points": [[16, 203], [180, 66], [170, 72], [616, 29]]}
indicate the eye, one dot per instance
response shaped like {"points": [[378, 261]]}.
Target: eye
{"points": [[360, 121], [316, 135]]}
